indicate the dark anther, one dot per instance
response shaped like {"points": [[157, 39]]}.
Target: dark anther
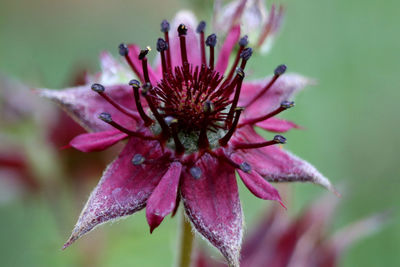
{"points": [[244, 166], [182, 29], [134, 83], [279, 139], [104, 116], [246, 53], [240, 72], [143, 53], [161, 45], [208, 106], [280, 70], [169, 120], [211, 40], [123, 50], [287, 104], [98, 88], [195, 172], [145, 88], [138, 159], [244, 41], [165, 26], [201, 26]]}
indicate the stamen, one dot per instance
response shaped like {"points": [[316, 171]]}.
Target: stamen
{"points": [[138, 159], [172, 122], [208, 108], [195, 172], [182, 30], [243, 42], [278, 139], [224, 140], [284, 106], [136, 85], [238, 79], [101, 91], [245, 55], [211, 42], [277, 73], [106, 117], [244, 166], [200, 30], [164, 127], [165, 29], [162, 46], [124, 51], [142, 56]]}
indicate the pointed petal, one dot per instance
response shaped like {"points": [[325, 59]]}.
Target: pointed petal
{"points": [[259, 186], [212, 204], [163, 200], [277, 125], [276, 164], [284, 88], [112, 71], [89, 142], [134, 51], [124, 187], [192, 40], [84, 105], [226, 50]]}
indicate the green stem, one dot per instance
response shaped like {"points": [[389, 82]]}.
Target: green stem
{"points": [[186, 243]]}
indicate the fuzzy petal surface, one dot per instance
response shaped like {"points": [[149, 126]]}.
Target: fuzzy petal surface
{"points": [[224, 54], [163, 200], [124, 187], [89, 142], [284, 88], [276, 164], [212, 204], [85, 105], [277, 125]]}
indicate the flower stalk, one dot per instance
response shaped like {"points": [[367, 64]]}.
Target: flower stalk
{"points": [[185, 243]]}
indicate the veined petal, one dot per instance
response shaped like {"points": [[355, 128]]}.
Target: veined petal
{"points": [[226, 50], [192, 40], [284, 88], [277, 125], [124, 187], [84, 105], [163, 199], [89, 142], [134, 51], [259, 186], [276, 164], [212, 203]]}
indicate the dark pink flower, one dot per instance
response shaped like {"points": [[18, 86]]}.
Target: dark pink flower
{"points": [[279, 241], [189, 127]]}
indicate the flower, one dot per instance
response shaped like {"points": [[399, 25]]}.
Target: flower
{"points": [[188, 125], [303, 241]]}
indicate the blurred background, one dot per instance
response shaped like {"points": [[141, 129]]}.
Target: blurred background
{"points": [[350, 117]]}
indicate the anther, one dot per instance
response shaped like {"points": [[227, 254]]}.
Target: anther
{"points": [[201, 26], [195, 172], [169, 120], [161, 45], [98, 88], [136, 85], [284, 106], [143, 53], [182, 29], [277, 73], [211, 42], [138, 159], [245, 56], [165, 26], [106, 117], [224, 140], [146, 88], [244, 41], [123, 50], [287, 104], [278, 139], [244, 166]]}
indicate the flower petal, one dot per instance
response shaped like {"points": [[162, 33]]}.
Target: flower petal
{"points": [[276, 164], [259, 186], [192, 40], [163, 199], [212, 203], [89, 142], [226, 50], [124, 187], [283, 89], [84, 105], [134, 51], [277, 125]]}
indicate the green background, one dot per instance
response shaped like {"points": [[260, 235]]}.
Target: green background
{"points": [[351, 118]]}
